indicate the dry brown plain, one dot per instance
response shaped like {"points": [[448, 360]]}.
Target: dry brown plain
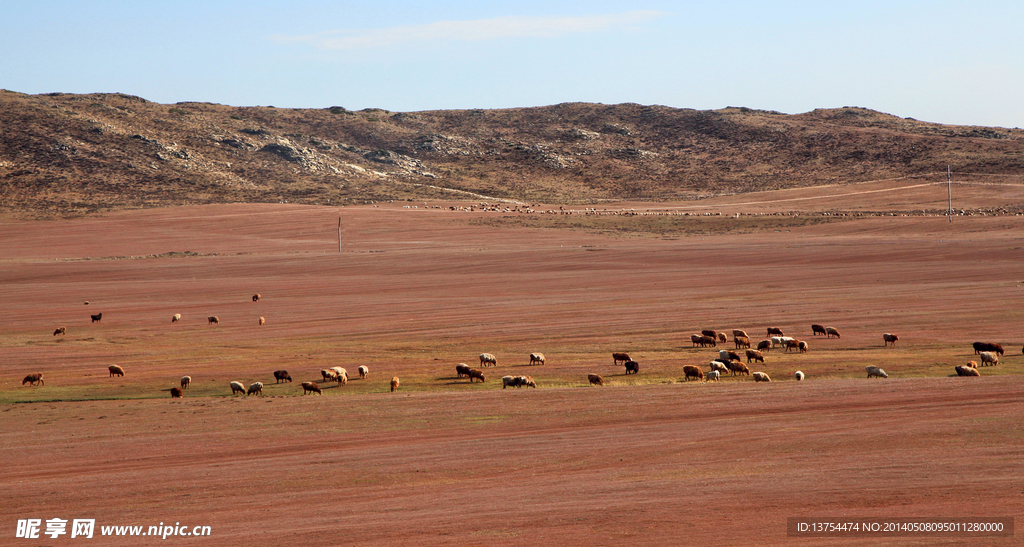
{"points": [[645, 460]]}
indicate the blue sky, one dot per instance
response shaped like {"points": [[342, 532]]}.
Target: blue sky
{"points": [[953, 62]]}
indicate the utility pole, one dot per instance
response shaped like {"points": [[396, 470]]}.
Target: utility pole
{"points": [[949, 191]]}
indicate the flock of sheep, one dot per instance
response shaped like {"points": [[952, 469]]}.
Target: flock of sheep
{"points": [[728, 361]]}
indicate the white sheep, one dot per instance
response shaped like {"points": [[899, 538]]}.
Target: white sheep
{"points": [[714, 375], [256, 388], [876, 372], [186, 381], [718, 366], [761, 377], [988, 358], [798, 375], [363, 371], [488, 359], [237, 387], [175, 318], [341, 375]]}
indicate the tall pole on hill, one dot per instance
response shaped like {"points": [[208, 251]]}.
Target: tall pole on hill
{"points": [[949, 191], [339, 233]]}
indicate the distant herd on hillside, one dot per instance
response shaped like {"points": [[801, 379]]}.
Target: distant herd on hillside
{"points": [[728, 362]]}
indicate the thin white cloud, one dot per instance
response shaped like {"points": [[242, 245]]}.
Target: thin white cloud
{"points": [[482, 29]]}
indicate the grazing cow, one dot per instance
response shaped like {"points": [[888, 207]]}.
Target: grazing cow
{"points": [[776, 331], [256, 297], [692, 371], [595, 379], [97, 317], [620, 357], [61, 331], [889, 339], [632, 367], [818, 329], [754, 355], [213, 320], [281, 376], [176, 392], [831, 331]]}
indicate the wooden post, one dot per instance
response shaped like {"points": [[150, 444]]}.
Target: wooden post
{"points": [[339, 234], [949, 191]]}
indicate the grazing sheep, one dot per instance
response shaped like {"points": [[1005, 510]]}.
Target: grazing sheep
{"points": [[987, 346], [714, 375], [462, 369], [764, 345], [363, 371], [341, 375], [256, 297], [741, 342], [329, 375], [831, 331], [966, 371], [526, 381], [706, 341], [692, 371], [507, 381], [476, 373], [709, 332], [971, 364], [619, 356], [237, 387], [115, 370], [818, 329], [537, 358], [97, 317], [780, 340], [61, 331], [213, 320], [737, 367], [798, 375], [282, 376], [175, 318], [802, 346], [989, 358], [186, 381], [754, 355], [761, 377], [262, 320], [394, 383], [256, 388], [488, 359], [727, 355], [739, 332], [33, 379], [311, 387], [697, 340], [718, 366], [776, 331], [595, 379], [176, 392], [876, 372], [722, 338], [632, 367], [792, 344], [889, 339], [517, 381]]}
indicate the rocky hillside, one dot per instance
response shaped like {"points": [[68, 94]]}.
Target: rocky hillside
{"points": [[64, 154]]}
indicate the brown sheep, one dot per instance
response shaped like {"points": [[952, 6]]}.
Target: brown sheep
{"points": [[311, 387], [739, 332], [176, 392], [96, 318], [741, 342], [987, 346], [632, 367], [462, 369], [972, 364], [754, 355], [256, 297], [764, 345], [697, 339], [186, 381], [475, 373], [792, 344], [213, 320], [394, 383], [709, 332], [889, 339], [282, 376], [831, 331], [61, 331], [536, 358], [722, 338], [262, 320], [329, 375], [255, 388], [619, 356], [966, 371], [692, 371], [802, 346], [737, 367], [726, 355], [33, 379], [706, 341], [818, 329], [115, 370], [776, 331], [595, 379]]}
